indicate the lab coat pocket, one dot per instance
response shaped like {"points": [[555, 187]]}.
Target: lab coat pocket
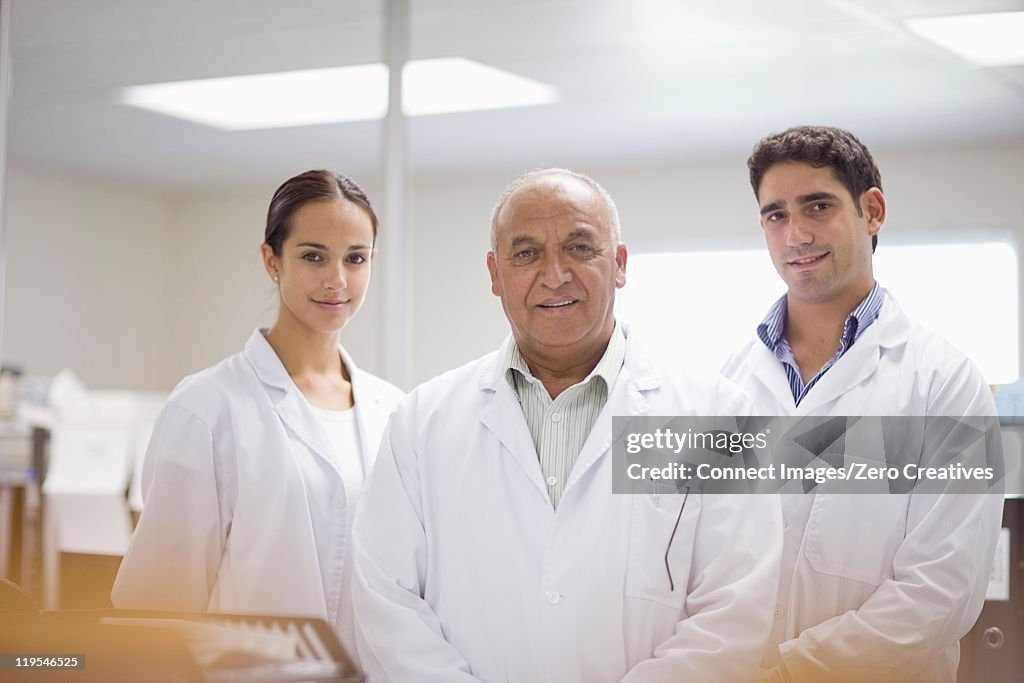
{"points": [[660, 550], [854, 536]]}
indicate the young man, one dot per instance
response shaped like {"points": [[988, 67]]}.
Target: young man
{"points": [[872, 587], [489, 545]]}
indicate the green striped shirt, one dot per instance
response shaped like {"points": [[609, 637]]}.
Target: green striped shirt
{"points": [[561, 426]]}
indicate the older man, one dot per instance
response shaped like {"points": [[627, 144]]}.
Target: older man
{"points": [[873, 587], [490, 546]]}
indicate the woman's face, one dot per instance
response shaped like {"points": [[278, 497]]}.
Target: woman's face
{"points": [[324, 267]]}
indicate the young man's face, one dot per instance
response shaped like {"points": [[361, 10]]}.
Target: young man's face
{"points": [[818, 235]]}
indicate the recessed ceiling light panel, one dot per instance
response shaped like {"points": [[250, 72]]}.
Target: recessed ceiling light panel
{"points": [[350, 93]]}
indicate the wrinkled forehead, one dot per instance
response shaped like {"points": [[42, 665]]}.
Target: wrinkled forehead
{"points": [[561, 200]]}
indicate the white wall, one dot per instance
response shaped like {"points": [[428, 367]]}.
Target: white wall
{"points": [[86, 281], [218, 289], [135, 291]]}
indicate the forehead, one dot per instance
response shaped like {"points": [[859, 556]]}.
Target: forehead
{"points": [[791, 179], [329, 220], [553, 202]]}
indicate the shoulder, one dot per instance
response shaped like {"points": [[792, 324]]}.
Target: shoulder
{"points": [[738, 365], [456, 387], [210, 392], [378, 387], [926, 351], [681, 385], [951, 382]]}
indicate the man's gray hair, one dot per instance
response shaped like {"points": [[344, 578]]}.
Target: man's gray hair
{"points": [[530, 176]]}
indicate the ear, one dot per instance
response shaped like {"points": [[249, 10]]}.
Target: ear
{"points": [[270, 262], [492, 268], [872, 203], [621, 254]]}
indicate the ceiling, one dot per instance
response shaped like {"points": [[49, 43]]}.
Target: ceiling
{"points": [[642, 82]]}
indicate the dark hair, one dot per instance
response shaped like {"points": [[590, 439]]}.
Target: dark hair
{"points": [[820, 146], [311, 186]]}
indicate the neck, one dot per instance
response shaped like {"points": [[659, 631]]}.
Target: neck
{"points": [[561, 370], [304, 354], [821, 320]]}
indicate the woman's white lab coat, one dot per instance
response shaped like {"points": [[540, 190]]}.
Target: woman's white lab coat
{"points": [[227, 523], [465, 572], [883, 586]]}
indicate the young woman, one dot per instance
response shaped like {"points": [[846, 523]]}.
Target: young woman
{"points": [[255, 464]]}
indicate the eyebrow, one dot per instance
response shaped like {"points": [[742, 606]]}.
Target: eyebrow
{"points": [[578, 233], [815, 197], [802, 199], [520, 240], [317, 245]]}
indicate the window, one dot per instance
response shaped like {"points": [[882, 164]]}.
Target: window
{"points": [[706, 304]]}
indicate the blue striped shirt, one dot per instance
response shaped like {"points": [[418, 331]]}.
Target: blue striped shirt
{"points": [[771, 333]]}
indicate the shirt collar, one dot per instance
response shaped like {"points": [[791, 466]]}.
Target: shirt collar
{"points": [[771, 328], [607, 368]]}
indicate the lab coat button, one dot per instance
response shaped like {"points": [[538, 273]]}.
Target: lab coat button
{"points": [[780, 612], [556, 417], [552, 480], [552, 597]]}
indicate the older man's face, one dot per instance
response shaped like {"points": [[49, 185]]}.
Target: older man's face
{"points": [[556, 268]]}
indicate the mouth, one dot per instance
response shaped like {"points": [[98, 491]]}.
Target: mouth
{"points": [[560, 303], [807, 261], [332, 303]]}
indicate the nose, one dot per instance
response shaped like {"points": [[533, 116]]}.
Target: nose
{"points": [[554, 272], [797, 233], [335, 280]]}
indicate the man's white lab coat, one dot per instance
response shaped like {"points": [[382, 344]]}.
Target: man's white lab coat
{"points": [[883, 586], [465, 572]]}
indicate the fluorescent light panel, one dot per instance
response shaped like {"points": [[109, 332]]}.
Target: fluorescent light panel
{"points": [[995, 39], [349, 93]]}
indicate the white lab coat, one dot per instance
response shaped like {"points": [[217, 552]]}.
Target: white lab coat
{"points": [[465, 572], [227, 524], [883, 586]]}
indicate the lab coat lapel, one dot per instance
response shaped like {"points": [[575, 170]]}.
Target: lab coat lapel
{"points": [[298, 418], [370, 418], [288, 402], [502, 415], [768, 372], [855, 366], [858, 364], [627, 398]]}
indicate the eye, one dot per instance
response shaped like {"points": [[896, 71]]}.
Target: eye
{"points": [[313, 257], [820, 206], [581, 249], [524, 255], [774, 216], [357, 259]]}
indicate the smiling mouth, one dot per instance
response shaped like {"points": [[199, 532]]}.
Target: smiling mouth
{"points": [[558, 304], [807, 260]]}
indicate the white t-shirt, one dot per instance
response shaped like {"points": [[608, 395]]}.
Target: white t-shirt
{"points": [[341, 429]]}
